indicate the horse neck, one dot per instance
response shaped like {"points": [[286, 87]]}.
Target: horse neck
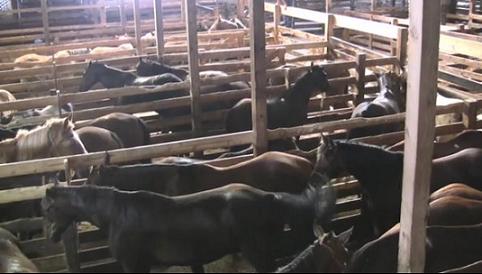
{"points": [[300, 92], [33, 145], [113, 78], [8, 151], [92, 206], [367, 162], [388, 93]]}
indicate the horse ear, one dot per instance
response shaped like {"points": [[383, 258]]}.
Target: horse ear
{"points": [[345, 236]]}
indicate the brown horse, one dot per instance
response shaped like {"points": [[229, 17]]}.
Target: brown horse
{"points": [[447, 247], [147, 229], [12, 260], [131, 130], [458, 190], [97, 139], [464, 140], [272, 171]]}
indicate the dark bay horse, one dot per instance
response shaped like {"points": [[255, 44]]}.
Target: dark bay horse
{"points": [[132, 130], [465, 139], [146, 67], [111, 77], [97, 139], [390, 101], [288, 110], [12, 259], [326, 255], [147, 229], [272, 171], [380, 172], [447, 247]]}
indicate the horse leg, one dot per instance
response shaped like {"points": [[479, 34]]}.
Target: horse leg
{"points": [[258, 252], [197, 269]]}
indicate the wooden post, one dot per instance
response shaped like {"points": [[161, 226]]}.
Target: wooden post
{"points": [[420, 132], [45, 20], [470, 114], [329, 29], [159, 28], [360, 69], [183, 10], [103, 13], [258, 76], [137, 26], [373, 5], [276, 22], [328, 5], [193, 59], [472, 6], [70, 238], [402, 44], [123, 15]]}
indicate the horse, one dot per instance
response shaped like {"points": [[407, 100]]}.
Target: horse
{"points": [[131, 130], [457, 190], [148, 229], [12, 259], [7, 134], [111, 77], [380, 172], [98, 139], [447, 247], [326, 255], [272, 171], [466, 139], [6, 116], [147, 67], [389, 101], [288, 110]]}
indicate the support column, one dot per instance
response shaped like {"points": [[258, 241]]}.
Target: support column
{"points": [[159, 28], [258, 76], [137, 27], [420, 132], [45, 20]]}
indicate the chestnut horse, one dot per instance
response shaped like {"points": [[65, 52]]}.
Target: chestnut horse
{"points": [[272, 171], [147, 229]]}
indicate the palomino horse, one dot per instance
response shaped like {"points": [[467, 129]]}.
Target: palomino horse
{"points": [[447, 247], [12, 260], [379, 172], [464, 140], [390, 101], [97, 139], [272, 171], [326, 255], [131, 130], [147, 229], [288, 110], [6, 116]]}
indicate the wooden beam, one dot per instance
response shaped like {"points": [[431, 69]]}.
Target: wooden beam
{"points": [[122, 15], [137, 26], [424, 36], [159, 28], [193, 59], [258, 76]]}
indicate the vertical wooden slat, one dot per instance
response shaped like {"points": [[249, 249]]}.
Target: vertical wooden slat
{"points": [[122, 14], [137, 26], [183, 10], [193, 59], [472, 6], [45, 20], [328, 5], [103, 13], [420, 131], [470, 114], [361, 68], [329, 29], [373, 5], [276, 22], [159, 28], [402, 45], [258, 75]]}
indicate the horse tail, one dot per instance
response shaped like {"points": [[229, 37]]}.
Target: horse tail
{"points": [[316, 205]]}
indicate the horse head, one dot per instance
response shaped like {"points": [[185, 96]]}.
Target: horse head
{"points": [[393, 84], [316, 79], [91, 76], [57, 207], [336, 245], [327, 161]]}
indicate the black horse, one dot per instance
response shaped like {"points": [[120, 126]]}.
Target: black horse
{"points": [[389, 101], [380, 173], [147, 229], [288, 110], [146, 67]]}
